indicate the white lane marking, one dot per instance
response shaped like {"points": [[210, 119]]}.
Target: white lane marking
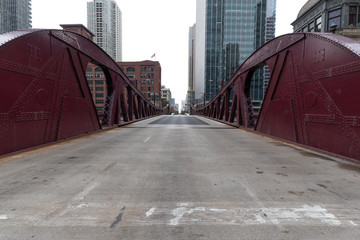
{"points": [[182, 204], [317, 212], [352, 223], [253, 195], [178, 213], [82, 205], [3, 217], [150, 212], [256, 216], [218, 210], [147, 139], [80, 196]]}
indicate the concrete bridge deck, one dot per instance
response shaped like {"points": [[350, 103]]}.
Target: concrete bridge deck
{"points": [[177, 177]]}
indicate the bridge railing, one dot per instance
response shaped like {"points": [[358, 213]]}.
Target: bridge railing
{"points": [[312, 97], [45, 95]]}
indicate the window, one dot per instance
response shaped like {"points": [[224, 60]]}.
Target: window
{"points": [[90, 82], [318, 24], [99, 101], [352, 16], [130, 69], [89, 75], [130, 75], [89, 69], [99, 82], [99, 75], [143, 69], [98, 69], [311, 27], [334, 18], [151, 69], [99, 88], [99, 95]]}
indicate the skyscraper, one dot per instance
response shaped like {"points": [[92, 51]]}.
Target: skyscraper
{"points": [[104, 19], [190, 96], [15, 15], [228, 32]]}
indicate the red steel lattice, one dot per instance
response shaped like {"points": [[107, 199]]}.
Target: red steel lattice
{"points": [[312, 97], [45, 96]]}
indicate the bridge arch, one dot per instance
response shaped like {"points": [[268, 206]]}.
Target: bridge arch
{"points": [[312, 93], [45, 96]]}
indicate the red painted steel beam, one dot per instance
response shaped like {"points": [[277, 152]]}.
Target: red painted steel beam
{"points": [[45, 96], [312, 95]]}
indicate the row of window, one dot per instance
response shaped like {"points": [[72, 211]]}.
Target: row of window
{"points": [[132, 75], [147, 89], [97, 75], [147, 81], [334, 19], [314, 26], [143, 69], [97, 82], [97, 69]]}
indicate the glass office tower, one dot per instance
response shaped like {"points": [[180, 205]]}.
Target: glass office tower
{"points": [[15, 15], [233, 30]]}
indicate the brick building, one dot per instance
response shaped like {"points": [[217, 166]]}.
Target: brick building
{"points": [[97, 84], [146, 76], [79, 29]]}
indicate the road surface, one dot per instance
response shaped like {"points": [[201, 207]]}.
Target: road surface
{"points": [[177, 177]]}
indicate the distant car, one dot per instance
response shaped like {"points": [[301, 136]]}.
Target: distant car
{"points": [[187, 114], [173, 114]]}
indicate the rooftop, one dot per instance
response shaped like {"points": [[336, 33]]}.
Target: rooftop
{"points": [[308, 5]]}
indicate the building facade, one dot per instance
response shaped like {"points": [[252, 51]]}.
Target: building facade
{"points": [[190, 96], [146, 76], [104, 19], [15, 15], [227, 33], [340, 16], [165, 96], [98, 87]]}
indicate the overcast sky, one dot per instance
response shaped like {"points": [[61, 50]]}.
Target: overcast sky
{"points": [[152, 26]]}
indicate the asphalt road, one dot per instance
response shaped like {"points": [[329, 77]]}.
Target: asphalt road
{"points": [[177, 177]]}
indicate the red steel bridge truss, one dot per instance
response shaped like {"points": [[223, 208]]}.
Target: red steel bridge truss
{"points": [[45, 96], [313, 96]]}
